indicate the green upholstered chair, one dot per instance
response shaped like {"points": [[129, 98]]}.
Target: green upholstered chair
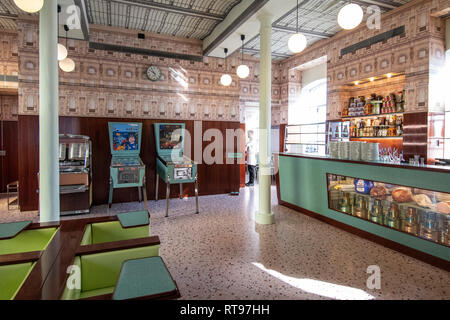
{"points": [[12, 278], [100, 271], [137, 225], [27, 241]]}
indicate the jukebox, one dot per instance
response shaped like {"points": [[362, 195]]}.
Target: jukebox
{"points": [[127, 169], [171, 164], [75, 174]]}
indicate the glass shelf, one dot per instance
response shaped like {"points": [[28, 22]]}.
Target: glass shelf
{"points": [[418, 212], [374, 115]]}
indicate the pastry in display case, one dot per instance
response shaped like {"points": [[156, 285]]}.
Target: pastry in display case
{"points": [[419, 212]]}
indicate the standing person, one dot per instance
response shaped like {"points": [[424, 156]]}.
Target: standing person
{"points": [[251, 158]]}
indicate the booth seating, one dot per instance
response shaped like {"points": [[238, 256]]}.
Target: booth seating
{"points": [[105, 246], [21, 246], [28, 241], [100, 269], [12, 277], [32, 256], [102, 232]]}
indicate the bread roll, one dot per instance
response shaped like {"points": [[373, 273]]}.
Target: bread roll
{"points": [[379, 192], [402, 195], [423, 200], [443, 207]]}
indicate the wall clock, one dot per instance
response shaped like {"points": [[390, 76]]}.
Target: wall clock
{"points": [[154, 73]]}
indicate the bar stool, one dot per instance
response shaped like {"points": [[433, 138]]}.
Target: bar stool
{"points": [[13, 189]]}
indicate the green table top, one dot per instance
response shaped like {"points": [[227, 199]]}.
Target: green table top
{"points": [[12, 229], [141, 278], [133, 219]]}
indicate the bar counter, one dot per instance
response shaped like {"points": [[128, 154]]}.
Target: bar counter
{"points": [[303, 185]]}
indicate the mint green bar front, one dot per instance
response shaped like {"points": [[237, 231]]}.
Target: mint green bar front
{"points": [[303, 182]]}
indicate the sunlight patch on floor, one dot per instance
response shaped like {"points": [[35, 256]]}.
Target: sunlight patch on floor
{"points": [[321, 288]]}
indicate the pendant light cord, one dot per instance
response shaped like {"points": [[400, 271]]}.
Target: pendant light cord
{"points": [[297, 16], [226, 55], [242, 57]]}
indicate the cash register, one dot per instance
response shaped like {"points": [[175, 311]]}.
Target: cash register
{"points": [[172, 166], [127, 169]]}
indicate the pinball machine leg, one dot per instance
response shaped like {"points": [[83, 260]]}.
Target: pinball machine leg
{"points": [[196, 195], [157, 186], [181, 191], [140, 194], [167, 195], [144, 193], [110, 193]]}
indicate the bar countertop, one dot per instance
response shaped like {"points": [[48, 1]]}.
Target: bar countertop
{"points": [[434, 168]]}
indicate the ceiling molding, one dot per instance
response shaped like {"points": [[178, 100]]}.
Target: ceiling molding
{"points": [[311, 33], [144, 52], [171, 9], [240, 20], [9, 16], [387, 5], [274, 54]]}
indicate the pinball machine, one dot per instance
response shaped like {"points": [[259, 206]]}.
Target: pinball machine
{"points": [[127, 169], [172, 166]]}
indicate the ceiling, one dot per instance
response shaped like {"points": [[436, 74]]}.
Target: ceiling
{"points": [[197, 19], [317, 19]]}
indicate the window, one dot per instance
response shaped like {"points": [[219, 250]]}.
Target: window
{"points": [[307, 120]]}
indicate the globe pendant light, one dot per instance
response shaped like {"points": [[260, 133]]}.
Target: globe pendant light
{"points": [[30, 6], [226, 79], [350, 16], [243, 70], [62, 52], [297, 42], [67, 65]]}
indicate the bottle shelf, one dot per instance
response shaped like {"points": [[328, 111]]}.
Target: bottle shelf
{"points": [[374, 115], [377, 138]]}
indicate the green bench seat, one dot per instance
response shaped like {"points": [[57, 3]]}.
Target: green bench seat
{"points": [[12, 278], [112, 231], [28, 241], [100, 271]]}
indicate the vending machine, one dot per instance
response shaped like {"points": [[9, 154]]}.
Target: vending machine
{"points": [[127, 169], [172, 166]]}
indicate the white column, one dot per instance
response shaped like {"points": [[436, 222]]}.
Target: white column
{"points": [[48, 113], [264, 215]]}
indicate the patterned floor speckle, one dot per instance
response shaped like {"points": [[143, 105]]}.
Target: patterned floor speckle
{"points": [[222, 254]]}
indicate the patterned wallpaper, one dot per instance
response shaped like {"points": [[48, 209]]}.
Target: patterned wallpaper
{"points": [[112, 84], [9, 58], [412, 54], [8, 107]]}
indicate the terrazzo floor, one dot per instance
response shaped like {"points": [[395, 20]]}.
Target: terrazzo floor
{"points": [[222, 254]]}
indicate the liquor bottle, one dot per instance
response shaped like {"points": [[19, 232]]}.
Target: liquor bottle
{"points": [[345, 111]]}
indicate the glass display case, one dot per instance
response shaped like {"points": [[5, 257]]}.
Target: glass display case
{"points": [[306, 138], [418, 212]]}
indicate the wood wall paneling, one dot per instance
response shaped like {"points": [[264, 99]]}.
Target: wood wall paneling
{"points": [[415, 135], [9, 163], [213, 179]]}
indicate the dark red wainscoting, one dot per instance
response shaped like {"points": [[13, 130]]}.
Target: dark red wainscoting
{"points": [[415, 134], [213, 179], [9, 163]]}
